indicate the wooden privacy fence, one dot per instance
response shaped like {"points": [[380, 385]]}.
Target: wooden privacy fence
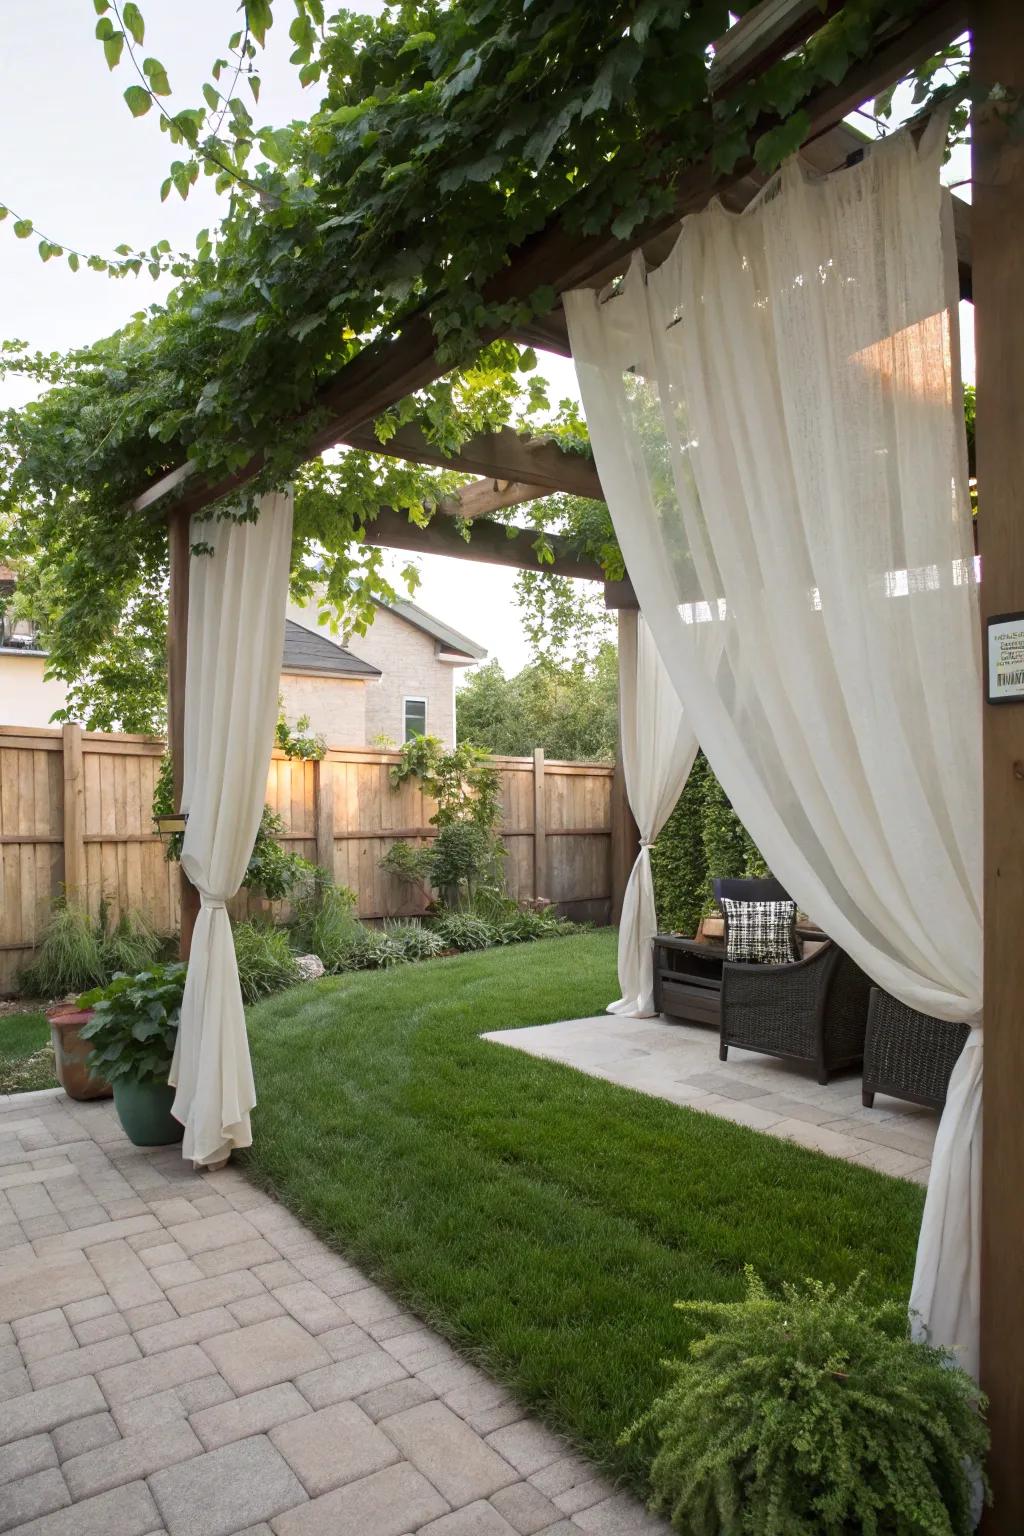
{"points": [[76, 812]]}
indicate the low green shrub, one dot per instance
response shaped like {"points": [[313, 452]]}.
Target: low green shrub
{"points": [[265, 960], [415, 941], [813, 1413], [526, 924], [272, 870], [135, 1025], [461, 930]]}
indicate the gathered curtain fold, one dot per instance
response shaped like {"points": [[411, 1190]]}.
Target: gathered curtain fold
{"points": [[776, 417], [237, 600], [658, 748]]}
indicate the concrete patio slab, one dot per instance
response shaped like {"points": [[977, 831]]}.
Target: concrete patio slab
{"points": [[679, 1062], [180, 1355]]}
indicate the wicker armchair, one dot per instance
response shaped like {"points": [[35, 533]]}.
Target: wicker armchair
{"points": [[812, 1010], [909, 1055]]}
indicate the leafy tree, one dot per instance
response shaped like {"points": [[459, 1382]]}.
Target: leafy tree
{"points": [[571, 711]]}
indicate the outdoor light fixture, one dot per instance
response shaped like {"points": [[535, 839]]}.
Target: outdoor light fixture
{"points": [[173, 822]]}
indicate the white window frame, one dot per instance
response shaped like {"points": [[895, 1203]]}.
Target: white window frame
{"points": [[412, 698]]}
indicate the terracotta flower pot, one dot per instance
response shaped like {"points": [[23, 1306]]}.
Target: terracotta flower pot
{"points": [[70, 1052]]}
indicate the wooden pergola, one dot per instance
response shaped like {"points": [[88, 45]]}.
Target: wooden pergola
{"points": [[990, 241]]}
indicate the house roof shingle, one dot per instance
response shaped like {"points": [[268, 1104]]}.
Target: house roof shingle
{"points": [[305, 651], [450, 639]]}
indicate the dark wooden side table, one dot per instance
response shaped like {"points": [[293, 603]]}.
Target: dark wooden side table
{"points": [[688, 974], [688, 979]]}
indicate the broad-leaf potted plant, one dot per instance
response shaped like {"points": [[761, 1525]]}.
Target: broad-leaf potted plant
{"points": [[132, 1033]]}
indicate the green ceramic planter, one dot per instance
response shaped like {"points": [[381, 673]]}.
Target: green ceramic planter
{"points": [[144, 1110]]}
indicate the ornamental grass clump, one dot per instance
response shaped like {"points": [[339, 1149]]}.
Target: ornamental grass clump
{"points": [[265, 960], [324, 924], [813, 1413]]}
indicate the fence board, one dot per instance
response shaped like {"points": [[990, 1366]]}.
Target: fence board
{"points": [[122, 861]]}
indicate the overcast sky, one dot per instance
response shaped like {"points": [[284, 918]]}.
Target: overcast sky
{"points": [[89, 175]]}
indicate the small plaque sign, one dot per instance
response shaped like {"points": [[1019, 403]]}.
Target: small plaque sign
{"points": [[1004, 658]]}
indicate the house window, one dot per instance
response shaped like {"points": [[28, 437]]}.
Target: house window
{"points": [[415, 718]]}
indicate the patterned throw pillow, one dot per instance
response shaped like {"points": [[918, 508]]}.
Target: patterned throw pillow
{"points": [[760, 932]]}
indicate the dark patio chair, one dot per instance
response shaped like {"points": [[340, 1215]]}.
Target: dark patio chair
{"points": [[812, 1010], [909, 1055], [767, 889]]}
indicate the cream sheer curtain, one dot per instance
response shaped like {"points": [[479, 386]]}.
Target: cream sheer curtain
{"points": [[776, 419], [658, 749], [237, 599]]}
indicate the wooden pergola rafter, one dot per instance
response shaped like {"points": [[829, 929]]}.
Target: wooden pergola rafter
{"points": [[515, 470]]}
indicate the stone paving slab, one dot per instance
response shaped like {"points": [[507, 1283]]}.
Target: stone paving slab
{"points": [[180, 1356], [679, 1062]]}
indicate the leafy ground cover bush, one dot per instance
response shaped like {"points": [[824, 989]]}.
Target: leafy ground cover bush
{"points": [[812, 1413], [75, 952]]}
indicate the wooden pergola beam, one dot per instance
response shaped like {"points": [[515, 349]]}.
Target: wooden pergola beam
{"points": [[489, 544], [767, 32], [500, 455], [485, 496], [388, 369]]}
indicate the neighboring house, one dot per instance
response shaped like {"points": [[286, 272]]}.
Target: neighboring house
{"points": [[25, 697], [395, 681]]}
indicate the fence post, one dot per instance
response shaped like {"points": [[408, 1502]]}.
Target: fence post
{"points": [[74, 812], [323, 790], [540, 830]]}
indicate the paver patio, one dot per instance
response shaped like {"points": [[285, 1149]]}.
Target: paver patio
{"points": [[180, 1355], [680, 1062]]}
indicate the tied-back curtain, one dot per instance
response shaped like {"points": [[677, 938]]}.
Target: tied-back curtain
{"points": [[237, 599], [777, 421], [658, 749]]}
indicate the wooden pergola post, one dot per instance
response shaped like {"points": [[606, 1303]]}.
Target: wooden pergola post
{"points": [[179, 543], [998, 176]]}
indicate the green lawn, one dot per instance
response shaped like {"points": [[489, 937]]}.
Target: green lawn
{"points": [[542, 1220], [26, 1061]]}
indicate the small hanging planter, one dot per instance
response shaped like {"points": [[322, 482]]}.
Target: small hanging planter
{"points": [[171, 823]]}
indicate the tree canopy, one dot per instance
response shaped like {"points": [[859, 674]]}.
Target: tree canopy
{"points": [[571, 710]]}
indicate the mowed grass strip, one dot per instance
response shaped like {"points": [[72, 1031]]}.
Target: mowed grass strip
{"points": [[542, 1220], [26, 1062]]}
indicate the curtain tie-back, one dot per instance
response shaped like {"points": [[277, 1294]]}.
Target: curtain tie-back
{"points": [[647, 842], [212, 903]]}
